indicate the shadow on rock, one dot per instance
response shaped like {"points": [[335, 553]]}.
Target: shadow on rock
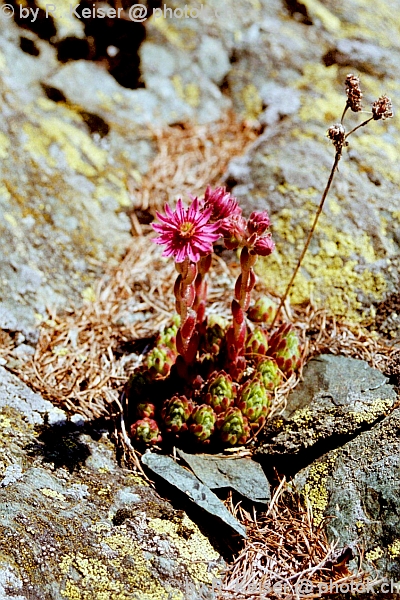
{"points": [[61, 445]]}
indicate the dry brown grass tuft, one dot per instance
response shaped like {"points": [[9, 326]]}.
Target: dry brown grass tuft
{"points": [[189, 157], [285, 555]]}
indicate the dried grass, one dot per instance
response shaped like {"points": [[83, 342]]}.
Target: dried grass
{"points": [[189, 157], [285, 555]]}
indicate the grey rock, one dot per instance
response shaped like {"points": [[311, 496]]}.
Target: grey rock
{"points": [[186, 482], [220, 471], [87, 527], [357, 485], [366, 57], [213, 59], [338, 396], [63, 187], [280, 102]]}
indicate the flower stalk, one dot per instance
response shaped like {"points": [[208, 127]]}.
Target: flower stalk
{"points": [[381, 109]]}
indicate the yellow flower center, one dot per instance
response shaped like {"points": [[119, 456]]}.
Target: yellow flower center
{"points": [[186, 229]]}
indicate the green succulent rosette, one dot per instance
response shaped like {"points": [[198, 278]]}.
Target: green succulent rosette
{"points": [[160, 360], [233, 427], [284, 347], [263, 311], [175, 413], [145, 409], [146, 431], [253, 401], [138, 385], [220, 392], [271, 375], [203, 422], [215, 334], [257, 342], [168, 336]]}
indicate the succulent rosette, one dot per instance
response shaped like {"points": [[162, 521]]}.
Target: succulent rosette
{"points": [[284, 347], [253, 400], [145, 409], [146, 431], [138, 385], [220, 392], [168, 336], [215, 334], [257, 342], [263, 311], [160, 360], [175, 413], [233, 426], [271, 375], [203, 422]]}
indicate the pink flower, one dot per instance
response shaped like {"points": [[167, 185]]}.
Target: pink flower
{"points": [[264, 246], [258, 222], [223, 205], [233, 229], [185, 232]]}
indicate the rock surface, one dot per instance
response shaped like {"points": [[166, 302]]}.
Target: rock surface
{"points": [[75, 525], [300, 64], [342, 422], [186, 483], [358, 485], [63, 188], [337, 398], [243, 475]]}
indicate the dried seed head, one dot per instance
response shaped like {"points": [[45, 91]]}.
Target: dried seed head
{"points": [[353, 91], [382, 108], [337, 134]]}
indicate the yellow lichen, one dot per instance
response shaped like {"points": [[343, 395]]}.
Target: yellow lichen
{"points": [[316, 10], [115, 578], [182, 38], [252, 101], [370, 413], [190, 92], [5, 421], [195, 552], [4, 145], [374, 554], [49, 493], [394, 548], [136, 480], [315, 492], [328, 272], [81, 154]]}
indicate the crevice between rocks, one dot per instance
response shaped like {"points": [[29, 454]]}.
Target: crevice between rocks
{"points": [[112, 42], [277, 465]]}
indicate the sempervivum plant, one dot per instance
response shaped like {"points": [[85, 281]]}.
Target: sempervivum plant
{"points": [[220, 392], [263, 311], [214, 334], [284, 347], [203, 422], [233, 427], [146, 431], [138, 384], [257, 342], [270, 373], [145, 409], [253, 401], [160, 360], [188, 383], [175, 413]]}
